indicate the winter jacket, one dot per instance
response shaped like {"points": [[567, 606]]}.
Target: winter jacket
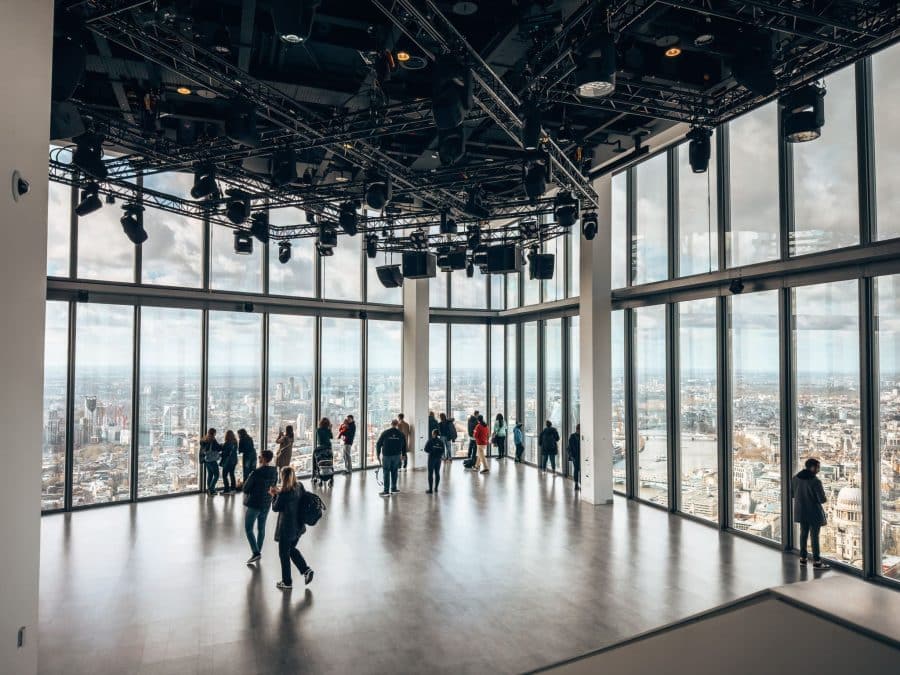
{"points": [[471, 424], [286, 503], [324, 437], [404, 428], [500, 429], [809, 495], [432, 424], [434, 446], [257, 485], [391, 443], [574, 448], [518, 435], [229, 455], [548, 441], [482, 434], [349, 433], [445, 429], [210, 451], [245, 447]]}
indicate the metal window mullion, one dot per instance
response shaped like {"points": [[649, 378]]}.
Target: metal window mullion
{"points": [[264, 398], [723, 413], [138, 249], [865, 152], [672, 211], [631, 433], [317, 375], [520, 367], [204, 389], [489, 409], [364, 395], [723, 191], [630, 225], [73, 232], [673, 401], [447, 364], [788, 412], [541, 379], [565, 385], [207, 251], [135, 400], [869, 427], [319, 272], [785, 191], [70, 408]]}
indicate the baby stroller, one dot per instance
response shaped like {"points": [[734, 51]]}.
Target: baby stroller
{"points": [[323, 467]]}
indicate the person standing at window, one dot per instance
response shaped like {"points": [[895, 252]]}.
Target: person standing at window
{"points": [[519, 441], [447, 431], [549, 445], [285, 449], [324, 437], [434, 449], [573, 450], [499, 438], [258, 502], [482, 437], [432, 423], [286, 504], [347, 433], [809, 495], [471, 423], [210, 455], [248, 454], [391, 443], [403, 425], [229, 462]]}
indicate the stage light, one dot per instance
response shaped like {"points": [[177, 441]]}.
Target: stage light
{"points": [[473, 237], [283, 167], [531, 129], [371, 245], [132, 224], [240, 124], [540, 265], [259, 226], [378, 194], [221, 40], [452, 92], [565, 207], [90, 201], [348, 219], [475, 203], [284, 252], [205, 183], [753, 64], [534, 178], [402, 56], [470, 270], [699, 149], [326, 240], [237, 208], [243, 242], [184, 91], [528, 228], [804, 114], [307, 177], [294, 20], [88, 156], [595, 77], [451, 145], [736, 286], [419, 239], [390, 276], [672, 52], [589, 225]]}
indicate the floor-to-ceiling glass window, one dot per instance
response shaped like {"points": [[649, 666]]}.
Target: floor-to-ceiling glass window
{"points": [[698, 446], [530, 389], [650, 403], [56, 363], [826, 366], [59, 224], [887, 307], [886, 99], [555, 288], [574, 373], [512, 413], [512, 290], [437, 289], [342, 271], [753, 154], [498, 291], [618, 246], [698, 238], [468, 374], [229, 271], [296, 277], [384, 380], [169, 403], [375, 290], [437, 368], [292, 389], [468, 292], [553, 370], [498, 372], [755, 413], [573, 242], [104, 253], [341, 377], [531, 288], [173, 252], [102, 404], [619, 422], [650, 239], [826, 194]]}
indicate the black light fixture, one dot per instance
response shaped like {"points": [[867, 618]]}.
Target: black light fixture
{"points": [[529, 228], [475, 203], [534, 178], [205, 182], [803, 114], [419, 238], [237, 208], [88, 156], [451, 91], [595, 77], [451, 145], [221, 40], [736, 286], [132, 223], [531, 128], [327, 239], [307, 177], [565, 208], [453, 259], [378, 194], [540, 265], [699, 149], [371, 245], [470, 269], [284, 252], [448, 225], [348, 219], [243, 242], [473, 237], [259, 226], [283, 167], [294, 19], [240, 124], [753, 64], [390, 276], [589, 225], [90, 201]]}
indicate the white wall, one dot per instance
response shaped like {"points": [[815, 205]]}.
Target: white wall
{"points": [[26, 32]]}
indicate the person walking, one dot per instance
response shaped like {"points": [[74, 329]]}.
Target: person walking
{"points": [[403, 425], [229, 462], [447, 431], [573, 450], [389, 448], [286, 504], [549, 445], [809, 495], [499, 437], [258, 502], [434, 448], [323, 442], [248, 454], [347, 434], [432, 423], [285, 449], [471, 423], [211, 455], [519, 441], [482, 437]]}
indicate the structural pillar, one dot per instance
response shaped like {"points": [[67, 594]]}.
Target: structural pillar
{"points": [[595, 357], [26, 44], [414, 395]]}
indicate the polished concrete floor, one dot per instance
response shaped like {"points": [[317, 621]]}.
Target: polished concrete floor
{"points": [[502, 573]]}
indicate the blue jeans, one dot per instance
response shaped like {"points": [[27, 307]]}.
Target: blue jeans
{"points": [[448, 447], [259, 517], [391, 466], [212, 476]]}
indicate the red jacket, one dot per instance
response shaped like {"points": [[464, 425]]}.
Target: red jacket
{"points": [[482, 434]]}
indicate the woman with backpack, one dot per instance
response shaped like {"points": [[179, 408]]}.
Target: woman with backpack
{"points": [[447, 432], [229, 462], [210, 455], [499, 438], [287, 504]]}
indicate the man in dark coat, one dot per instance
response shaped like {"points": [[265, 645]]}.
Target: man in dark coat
{"points": [[549, 444], [573, 449], [388, 450], [809, 495], [471, 423]]}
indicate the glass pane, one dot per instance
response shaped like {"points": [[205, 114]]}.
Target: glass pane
{"points": [[56, 363], [826, 361], [617, 228], [468, 376], [651, 221], [650, 383], [235, 373], [375, 290], [553, 373], [512, 414], [753, 155], [530, 393], [886, 99], [59, 214], [888, 336], [437, 368], [498, 291], [554, 289], [341, 272], [173, 252], [341, 382], [437, 289], [574, 244], [826, 197], [574, 373], [385, 380], [498, 373], [756, 413], [169, 423], [531, 289], [619, 422], [229, 271], [468, 293], [292, 359], [512, 290], [698, 451], [296, 277], [697, 215], [102, 443], [104, 252]]}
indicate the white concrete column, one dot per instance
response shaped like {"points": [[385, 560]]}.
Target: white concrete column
{"points": [[595, 357], [26, 46], [415, 363]]}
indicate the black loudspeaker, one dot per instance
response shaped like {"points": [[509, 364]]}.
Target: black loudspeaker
{"points": [[540, 265], [419, 265], [504, 259], [390, 276]]}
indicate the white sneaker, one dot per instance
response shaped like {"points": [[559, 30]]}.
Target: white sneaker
{"points": [[283, 586], [253, 558]]}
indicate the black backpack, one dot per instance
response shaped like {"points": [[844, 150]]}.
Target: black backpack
{"points": [[453, 433], [310, 509]]}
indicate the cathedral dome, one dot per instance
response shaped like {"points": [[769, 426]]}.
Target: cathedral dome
{"points": [[850, 499]]}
